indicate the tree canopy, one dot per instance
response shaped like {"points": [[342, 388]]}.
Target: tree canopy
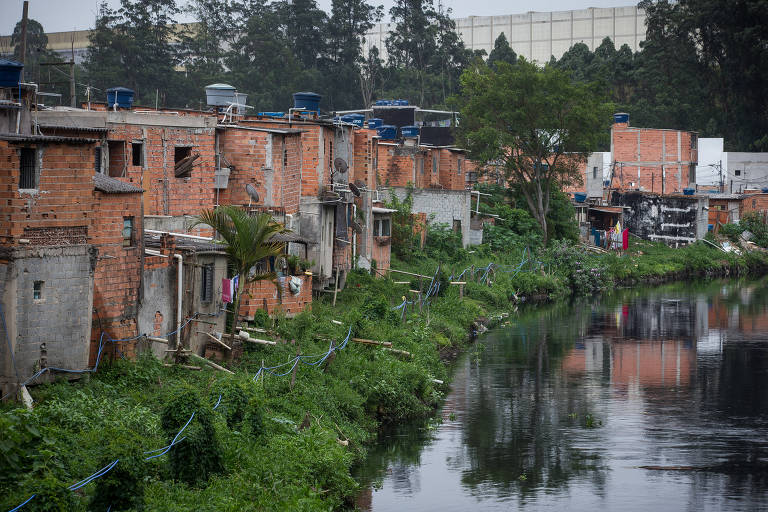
{"points": [[536, 123]]}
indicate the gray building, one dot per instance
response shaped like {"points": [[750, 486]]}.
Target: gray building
{"points": [[539, 35]]}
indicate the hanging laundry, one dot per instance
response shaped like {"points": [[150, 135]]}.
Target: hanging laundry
{"points": [[226, 290], [235, 286], [625, 239]]}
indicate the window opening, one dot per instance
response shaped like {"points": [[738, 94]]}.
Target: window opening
{"points": [[737, 172], [97, 159], [594, 173], [137, 153], [459, 164], [27, 168], [206, 293], [37, 290], [421, 165], [183, 160], [434, 164], [116, 149], [127, 231]]}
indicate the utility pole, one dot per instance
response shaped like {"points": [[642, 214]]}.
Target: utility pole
{"points": [[72, 98], [24, 35]]}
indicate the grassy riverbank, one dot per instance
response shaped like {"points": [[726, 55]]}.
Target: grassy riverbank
{"points": [[270, 446]]}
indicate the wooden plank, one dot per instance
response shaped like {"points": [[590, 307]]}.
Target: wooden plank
{"points": [[458, 282], [409, 273], [157, 340], [198, 320], [399, 352], [188, 367]]}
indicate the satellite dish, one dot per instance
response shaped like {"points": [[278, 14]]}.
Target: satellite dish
{"points": [[341, 165], [252, 193], [354, 189]]}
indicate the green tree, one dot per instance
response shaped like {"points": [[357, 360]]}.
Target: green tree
{"points": [[536, 123], [248, 240], [134, 47], [502, 52]]}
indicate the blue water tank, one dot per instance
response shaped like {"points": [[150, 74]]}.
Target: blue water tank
{"points": [[272, 114], [10, 73], [374, 123], [121, 96], [410, 132], [689, 191], [356, 119], [383, 103], [764, 190], [309, 101], [387, 131], [579, 197], [400, 103], [621, 117]]}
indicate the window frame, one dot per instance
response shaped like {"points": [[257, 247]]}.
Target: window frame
{"points": [[206, 281], [137, 144], [129, 241], [26, 154]]}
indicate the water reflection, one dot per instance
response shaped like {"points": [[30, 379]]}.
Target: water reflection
{"points": [[646, 398]]}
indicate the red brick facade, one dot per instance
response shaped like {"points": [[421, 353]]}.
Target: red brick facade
{"points": [[654, 160], [263, 295]]}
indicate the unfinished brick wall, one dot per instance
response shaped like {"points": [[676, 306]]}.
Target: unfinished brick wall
{"points": [[263, 295], [59, 210], [654, 160], [165, 194], [754, 203], [118, 270]]}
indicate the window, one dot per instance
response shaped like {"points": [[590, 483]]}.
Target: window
{"points": [[420, 164], [456, 226], [330, 155], [754, 204], [434, 164], [285, 155], [116, 150], [692, 174], [459, 164], [594, 173], [737, 172], [694, 139], [137, 153], [37, 290], [127, 231], [97, 159], [206, 293], [183, 160], [381, 227], [27, 168]]}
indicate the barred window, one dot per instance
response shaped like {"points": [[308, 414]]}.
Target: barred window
{"points": [[27, 168], [206, 292]]}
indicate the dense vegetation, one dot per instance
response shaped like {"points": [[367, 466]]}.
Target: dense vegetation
{"points": [[695, 50]]}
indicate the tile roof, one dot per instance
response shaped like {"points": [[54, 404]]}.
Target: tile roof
{"points": [[108, 185]]}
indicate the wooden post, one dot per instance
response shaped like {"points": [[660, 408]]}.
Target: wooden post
{"points": [[336, 287], [330, 358], [461, 291]]}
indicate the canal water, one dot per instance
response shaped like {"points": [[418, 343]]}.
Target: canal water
{"points": [[646, 399]]}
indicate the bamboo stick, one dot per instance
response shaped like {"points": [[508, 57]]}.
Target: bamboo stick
{"points": [[217, 340], [188, 367], [211, 363], [157, 340], [400, 352], [372, 342]]}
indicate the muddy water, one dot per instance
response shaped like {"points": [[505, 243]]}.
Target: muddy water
{"points": [[649, 399]]}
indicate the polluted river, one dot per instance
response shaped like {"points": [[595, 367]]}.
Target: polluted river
{"points": [[643, 399]]}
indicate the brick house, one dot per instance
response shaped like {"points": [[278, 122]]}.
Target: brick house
{"points": [[651, 159]]}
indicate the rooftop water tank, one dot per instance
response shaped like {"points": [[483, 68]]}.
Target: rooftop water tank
{"points": [[400, 103], [121, 96], [764, 190], [356, 119], [383, 103], [219, 95], [579, 197], [387, 131], [621, 117], [689, 191], [10, 73], [309, 101], [410, 132], [374, 123]]}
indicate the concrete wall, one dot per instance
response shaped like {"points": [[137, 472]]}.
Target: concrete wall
{"points": [[752, 169], [538, 35], [593, 180], [157, 311], [57, 326], [440, 206], [674, 220], [197, 341], [316, 224]]}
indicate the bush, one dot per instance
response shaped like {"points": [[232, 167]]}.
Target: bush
{"points": [[123, 487], [53, 495], [585, 274], [198, 457]]}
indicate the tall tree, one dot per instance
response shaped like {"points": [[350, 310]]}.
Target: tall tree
{"points": [[537, 123], [502, 52], [133, 47], [248, 240]]}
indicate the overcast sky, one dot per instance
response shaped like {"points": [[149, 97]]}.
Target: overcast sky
{"points": [[65, 15]]}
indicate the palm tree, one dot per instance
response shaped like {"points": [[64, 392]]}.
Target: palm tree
{"points": [[248, 240]]}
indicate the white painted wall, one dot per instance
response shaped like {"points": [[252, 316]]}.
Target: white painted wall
{"points": [[710, 156]]}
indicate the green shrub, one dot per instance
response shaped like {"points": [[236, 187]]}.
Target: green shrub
{"points": [[123, 487], [53, 495], [198, 456]]}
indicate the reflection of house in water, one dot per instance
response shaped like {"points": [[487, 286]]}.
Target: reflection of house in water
{"points": [[668, 363]]}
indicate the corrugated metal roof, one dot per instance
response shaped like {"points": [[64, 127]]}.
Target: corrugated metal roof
{"points": [[12, 137], [108, 185], [376, 209], [289, 237]]}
